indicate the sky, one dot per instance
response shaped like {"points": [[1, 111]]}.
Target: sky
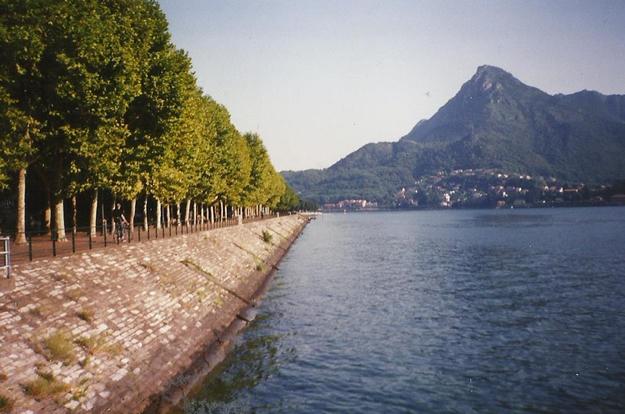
{"points": [[318, 79]]}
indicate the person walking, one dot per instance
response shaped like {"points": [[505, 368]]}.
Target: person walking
{"points": [[120, 221]]}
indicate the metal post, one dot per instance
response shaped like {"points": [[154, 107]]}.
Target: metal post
{"points": [[139, 233], [30, 247], [73, 241], [53, 243], [104, 231], [90, 241]]}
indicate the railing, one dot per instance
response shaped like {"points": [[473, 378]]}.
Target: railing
{"points": [[5, 245], [41, 244]]}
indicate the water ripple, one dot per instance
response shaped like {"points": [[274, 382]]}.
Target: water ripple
{"points": [[439, 312]]}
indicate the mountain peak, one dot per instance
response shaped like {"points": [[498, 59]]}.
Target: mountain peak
{"points": [[491, 70], [495, 121], [487, 75]]}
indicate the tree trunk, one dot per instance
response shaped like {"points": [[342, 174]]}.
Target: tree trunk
{"points": [[47, 214], [178, 214], [187, 211], [145, 213], [201, 214], [20, 234], [168, 211], [158, 214], [133, 210], [59, 219], [113, 224], [194, 214], [93, 213], [211, 214]]}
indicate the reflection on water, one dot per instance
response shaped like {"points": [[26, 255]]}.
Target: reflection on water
{"points": [[254, 359], [438, 311], [510, 220]]}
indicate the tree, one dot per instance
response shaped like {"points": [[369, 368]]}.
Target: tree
{"points": [[21, 49], [154, 112], [94, 96], [289, 200], [257, 190]]}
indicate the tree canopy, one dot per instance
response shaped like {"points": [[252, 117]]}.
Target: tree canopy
{"points": [[95, 96]]}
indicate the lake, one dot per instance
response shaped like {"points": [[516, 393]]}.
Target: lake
{"points": [[482, 311]]}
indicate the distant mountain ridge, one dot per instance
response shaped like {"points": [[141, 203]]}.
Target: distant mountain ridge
{"points": [[494, 121]]}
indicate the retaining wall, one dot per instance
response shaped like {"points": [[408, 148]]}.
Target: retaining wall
{"points": [[111, 331]]}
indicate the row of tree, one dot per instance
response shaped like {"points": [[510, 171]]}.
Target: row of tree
{"points": [[94, 96]]}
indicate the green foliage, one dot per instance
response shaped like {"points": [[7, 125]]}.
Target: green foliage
{"points": [[262, 173], [94, 96], [267, 237], [289, 201]]}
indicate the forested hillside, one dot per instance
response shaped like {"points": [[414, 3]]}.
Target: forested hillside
{"points": [[494, 121]]}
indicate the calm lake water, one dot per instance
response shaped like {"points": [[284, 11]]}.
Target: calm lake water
{"points": [[498, 311]]}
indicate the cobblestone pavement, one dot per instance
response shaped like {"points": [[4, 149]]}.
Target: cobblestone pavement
{"points": [[102, 331]]}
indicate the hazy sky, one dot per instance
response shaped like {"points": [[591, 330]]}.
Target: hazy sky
{"points": [[318, 79]]}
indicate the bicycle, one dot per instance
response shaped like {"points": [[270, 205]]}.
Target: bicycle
{"points": [[120, 230]]}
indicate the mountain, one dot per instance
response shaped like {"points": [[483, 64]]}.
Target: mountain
{"points": [[494, 121]]}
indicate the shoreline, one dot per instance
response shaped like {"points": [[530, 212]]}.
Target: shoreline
{"points": [[130, 330], [545, 207], [215, 351]]}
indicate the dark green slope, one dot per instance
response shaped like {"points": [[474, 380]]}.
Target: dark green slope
{"points": [[494, 121]]}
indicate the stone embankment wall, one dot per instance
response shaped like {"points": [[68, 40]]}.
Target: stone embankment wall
{"points": [[110, 331]]}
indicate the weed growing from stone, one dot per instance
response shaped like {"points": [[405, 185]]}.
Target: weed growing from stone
{"points": [[148, 267], [60, 347], [3, 377], [201, 294], [267, 236], [114, 349], [40, 311], [6, 404], [79, 393], [74, 294], [97, 344], [61, 277], [45, 385], [259, 267], [86, 315], [85, 362], [92, 344]]}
